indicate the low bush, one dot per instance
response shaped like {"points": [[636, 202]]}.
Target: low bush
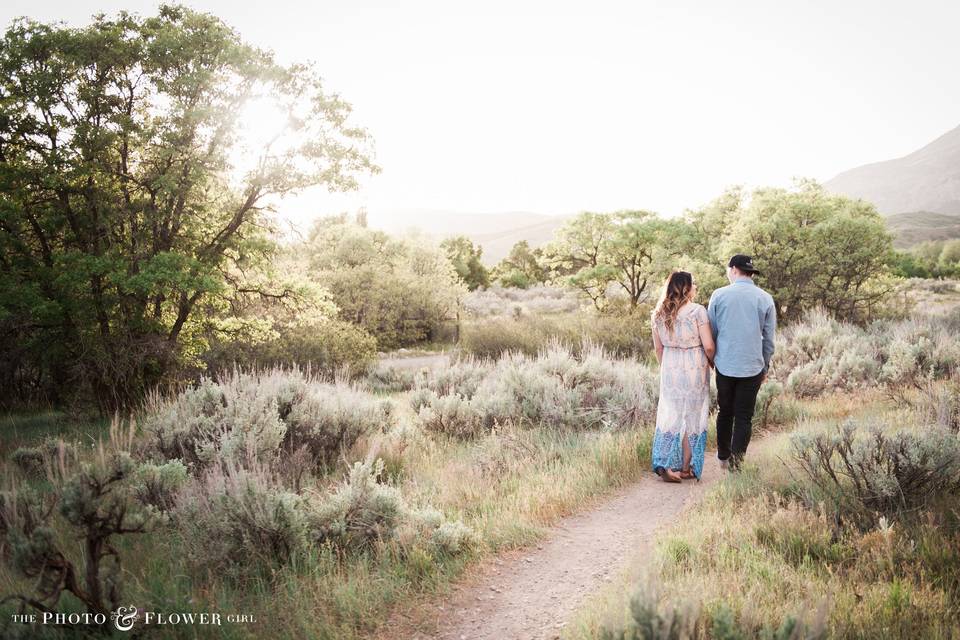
{"points": [[511, 301], [556, 389], [330, 418], [453, 415], [237, 521], [620, 335], [388, 379], [94, 500], [650, 619], [867, 473], [249, 418], [362, 513], [821, 354]]}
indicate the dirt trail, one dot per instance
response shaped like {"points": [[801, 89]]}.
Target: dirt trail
{"points": [[530, 594]]}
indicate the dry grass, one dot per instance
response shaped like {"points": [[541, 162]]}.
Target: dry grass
{"points": [[756, 553]]}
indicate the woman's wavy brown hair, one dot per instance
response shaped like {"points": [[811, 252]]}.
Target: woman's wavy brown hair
{"points": [[677, 292]]}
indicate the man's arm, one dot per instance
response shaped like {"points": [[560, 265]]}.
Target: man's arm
{"points": [[769, 331]]}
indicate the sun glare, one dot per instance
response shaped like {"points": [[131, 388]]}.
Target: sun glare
{"points": [[262, 124]]}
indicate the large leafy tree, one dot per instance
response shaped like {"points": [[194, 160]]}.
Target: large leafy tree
{"points": [[465, 258], [626, 251], [522, 268], [815, 249], [401, 290], [123, 207]]}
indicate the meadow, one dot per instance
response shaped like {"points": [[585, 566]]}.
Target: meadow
{"points": [[336, 501], [315, 433]]}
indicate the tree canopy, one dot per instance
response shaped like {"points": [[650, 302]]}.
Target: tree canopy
{"points": [[626, 250], [465, 258], [400, 290], [815, 249], [123, 207]]}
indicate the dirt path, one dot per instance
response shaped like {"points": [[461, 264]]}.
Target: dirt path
{"points": [[529, 594]]}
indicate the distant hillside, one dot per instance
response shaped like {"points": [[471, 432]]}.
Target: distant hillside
{"points": [[495, 232], [927, 180], [912, 228]]}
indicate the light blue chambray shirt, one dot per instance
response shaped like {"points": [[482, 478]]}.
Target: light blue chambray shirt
{"points": [[743, 320]]}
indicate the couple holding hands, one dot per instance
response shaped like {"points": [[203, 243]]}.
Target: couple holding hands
{"points": [[735, 336]]}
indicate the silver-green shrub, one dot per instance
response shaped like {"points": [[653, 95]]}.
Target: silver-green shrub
{"points": [[362, 513], [452, 415], [237, 521], [258, 417], [330, 418], [390, 379], [821, 354], [867, 471], [555, 389]]}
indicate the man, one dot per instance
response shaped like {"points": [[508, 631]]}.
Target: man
{"points": [[743, 320]]}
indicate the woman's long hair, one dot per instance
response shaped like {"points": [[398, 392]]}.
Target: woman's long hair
{"points": [[677, 292]]}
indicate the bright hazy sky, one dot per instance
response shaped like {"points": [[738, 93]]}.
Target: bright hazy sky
{"points": [[557, 107]]}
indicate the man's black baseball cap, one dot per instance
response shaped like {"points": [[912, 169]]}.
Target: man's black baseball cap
{"points": [[744, 263]]}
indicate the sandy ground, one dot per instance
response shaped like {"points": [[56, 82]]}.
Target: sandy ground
{"points": [[530, 594]]}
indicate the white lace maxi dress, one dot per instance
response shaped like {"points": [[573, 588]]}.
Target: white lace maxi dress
{"points": [[684, 406]]}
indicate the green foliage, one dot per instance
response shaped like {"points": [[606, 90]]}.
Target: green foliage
{"points": [[931, 259], [465, 258], [123, 210], [369, 273], [815, 249], [867, 472], [627, 250], [522, 268]]}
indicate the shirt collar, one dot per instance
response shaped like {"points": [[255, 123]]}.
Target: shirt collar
{"points": [[743, 280]]}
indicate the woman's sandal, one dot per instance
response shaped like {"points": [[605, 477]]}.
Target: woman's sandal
{"points": [[688, 475]]}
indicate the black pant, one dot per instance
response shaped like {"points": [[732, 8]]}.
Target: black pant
{"points": [[737, 398]]}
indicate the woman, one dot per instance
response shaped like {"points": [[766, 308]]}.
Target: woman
{"points": [[685, 349]]}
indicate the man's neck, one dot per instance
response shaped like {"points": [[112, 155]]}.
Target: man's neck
{"points": [[743, 279]]}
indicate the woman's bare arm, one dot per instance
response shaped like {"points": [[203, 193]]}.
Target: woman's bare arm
{"points": [[706, 339], [657, 345]]}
